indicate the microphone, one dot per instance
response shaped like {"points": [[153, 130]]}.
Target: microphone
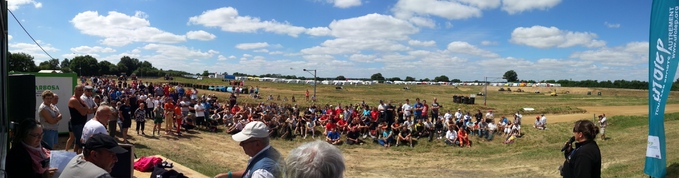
{"points": [[568, 144]]}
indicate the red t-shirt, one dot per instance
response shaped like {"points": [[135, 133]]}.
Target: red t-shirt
{"points": [[425, 108], [235, 109], [329, 126], [374, 115]]}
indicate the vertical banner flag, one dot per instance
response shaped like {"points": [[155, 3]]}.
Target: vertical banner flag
{"points": [[662, 65]]}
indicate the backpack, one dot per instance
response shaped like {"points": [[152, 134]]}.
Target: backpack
{"points": [[146, 164]]}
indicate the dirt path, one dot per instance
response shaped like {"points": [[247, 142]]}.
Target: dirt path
{"points": [[609, 111]]}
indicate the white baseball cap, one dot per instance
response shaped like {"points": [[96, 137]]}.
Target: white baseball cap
{"points": [[255, 129]]}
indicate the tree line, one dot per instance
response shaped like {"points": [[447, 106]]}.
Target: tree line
{"points": [[89, 66]]}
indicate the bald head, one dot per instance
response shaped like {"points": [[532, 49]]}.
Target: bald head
{"points": [[79, 90], [103, 114]]}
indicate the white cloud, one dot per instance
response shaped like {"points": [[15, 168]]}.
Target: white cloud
{"points": [[92, 50], [549, 37], [466, 48], [33, 50], [247, 55], [200, 35], [228, 20], [318, 31], [222, 58], [518, 6], [261, 51], [612, 25], [15, 4], [232, 57], [452, 10], [362, 58], [373, 26], [248, 46], [349, 46], [489, 43], [9, 37], [346, 3], [421, 43], [275, 52], [164, 52], [449, 25], [119, 29], [631, 54]]}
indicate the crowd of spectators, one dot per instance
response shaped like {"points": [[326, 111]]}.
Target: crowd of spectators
{"points": [[385, 122]]}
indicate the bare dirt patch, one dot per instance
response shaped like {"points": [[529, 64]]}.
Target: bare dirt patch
{"points": [[593, 111]]}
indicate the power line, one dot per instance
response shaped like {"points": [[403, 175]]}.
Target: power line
{"points": [[29, 35]]}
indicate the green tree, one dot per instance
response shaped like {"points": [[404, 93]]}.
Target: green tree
{"points": [[377, 76], [131, 64], [409, 78], [425, 79], [205, 73], [64, 63], [442, 78], [21, 62], [84, 65], [105, 67], [395, 79], [341, 77], [51, 64], [511, 76], [456, 80]]}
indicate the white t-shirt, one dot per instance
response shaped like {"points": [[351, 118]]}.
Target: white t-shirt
{"points": [[451, 134], [149, 103], [543, 120], [92, 127], [89, 101], [492, 126], [200, 110], [458, 115], [406, 109]]}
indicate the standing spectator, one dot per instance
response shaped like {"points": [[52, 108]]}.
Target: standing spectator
{"points": [[603, 123], [435, 106], [97, 160], [88, 99], [49, 118], [407, 110], [169, 115], [157, 119], [585, 159], [315, 159], [200, 113], [517, 121], [264, 161], [125, 115], [97, 124], [113, 122], [139, 117], [78, 110], [27, 157], [417, 113], [149, 106], [425, 111]]}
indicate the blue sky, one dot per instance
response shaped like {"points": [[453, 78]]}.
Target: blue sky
{"points": [[462, 39]]}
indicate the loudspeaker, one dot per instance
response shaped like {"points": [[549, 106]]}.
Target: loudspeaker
{"points": [[21, 97], [125, 165]]}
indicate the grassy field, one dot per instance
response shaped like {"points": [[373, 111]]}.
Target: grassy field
{"points": [[536, 154]]}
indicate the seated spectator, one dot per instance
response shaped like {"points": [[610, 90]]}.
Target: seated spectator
{"points": [[97, 160], [543, 120], [451, 136], [510, 139], [419, 130], [438, 128], [315, 159], [353, 137], [29, 156], [387, 138], [463, 138], [236, 127], [404, 135], [492, 128], [508, 128], [285, 131], [342, 126], [429, 129], [538, 124], [482, 129], [333, 137], [502, 123]]}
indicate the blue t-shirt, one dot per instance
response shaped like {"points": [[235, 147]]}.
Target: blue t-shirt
{"points": [[333, 135], [418, 112]]}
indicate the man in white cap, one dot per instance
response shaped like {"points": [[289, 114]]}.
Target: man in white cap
{"points": [[264, 159]]}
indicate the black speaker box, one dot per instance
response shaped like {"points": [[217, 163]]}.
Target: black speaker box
{"points": [[21, 97], [124, 168]]}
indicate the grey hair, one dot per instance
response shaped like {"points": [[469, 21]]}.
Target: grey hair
{"points": [[315, 159]]}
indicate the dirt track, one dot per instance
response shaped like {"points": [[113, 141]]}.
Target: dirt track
{"points": [[609, 111]]}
